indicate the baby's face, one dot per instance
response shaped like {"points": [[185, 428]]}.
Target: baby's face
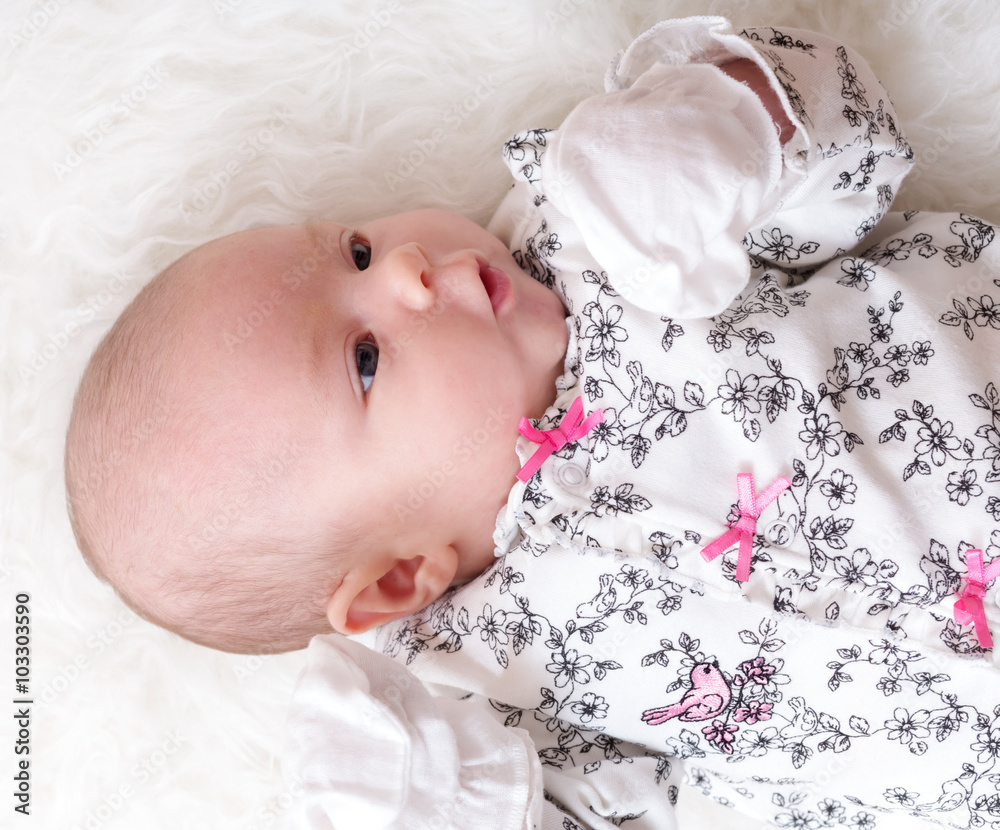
{"points": [[401, 356]]}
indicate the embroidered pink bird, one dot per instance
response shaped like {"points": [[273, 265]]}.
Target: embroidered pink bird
{"points": [[708, 696]]}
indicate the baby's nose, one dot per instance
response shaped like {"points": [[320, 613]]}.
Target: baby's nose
{"points": [[410, 278]]}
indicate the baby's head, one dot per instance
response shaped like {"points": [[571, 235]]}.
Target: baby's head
{"points": [[298, 427]]}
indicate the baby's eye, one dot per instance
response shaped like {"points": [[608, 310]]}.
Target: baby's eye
{"points": [[361, 252], [366, 358]]}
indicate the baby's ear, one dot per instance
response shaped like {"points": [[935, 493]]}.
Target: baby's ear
{"points": [[365, 598]]}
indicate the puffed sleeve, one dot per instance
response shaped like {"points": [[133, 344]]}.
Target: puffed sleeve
{"points": [[367, 745], [677, 172]]}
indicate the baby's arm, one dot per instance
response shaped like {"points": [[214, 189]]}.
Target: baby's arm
{"points": [[676, 173], [370, 747]]}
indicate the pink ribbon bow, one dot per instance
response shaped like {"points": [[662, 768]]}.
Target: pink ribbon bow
{"points": [[744, 529], [572, 428], [969, 605]]}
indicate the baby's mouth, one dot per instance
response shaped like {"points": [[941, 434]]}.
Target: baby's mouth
{"points": [[496, 283]]}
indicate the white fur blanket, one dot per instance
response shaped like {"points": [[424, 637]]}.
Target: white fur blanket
{"points": [[133, 130]]}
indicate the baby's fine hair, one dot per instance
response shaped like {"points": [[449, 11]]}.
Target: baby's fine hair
{"points": [[180, 508]]}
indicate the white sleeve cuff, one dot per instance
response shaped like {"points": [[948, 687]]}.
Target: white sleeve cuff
{"points": [[372, 748]]}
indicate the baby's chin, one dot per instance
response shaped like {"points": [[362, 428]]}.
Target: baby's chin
{"points": [[544, 339]]}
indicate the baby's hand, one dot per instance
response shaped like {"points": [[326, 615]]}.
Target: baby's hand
{"points": [[747, 72]]}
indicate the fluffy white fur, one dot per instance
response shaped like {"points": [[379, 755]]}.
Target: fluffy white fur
{"points": [[387, 105]]}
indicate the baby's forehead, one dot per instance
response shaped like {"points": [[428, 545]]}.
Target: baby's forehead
{"points": [[219, 256], [274, 252], [217, 274], [246, 328], [263, 329]]}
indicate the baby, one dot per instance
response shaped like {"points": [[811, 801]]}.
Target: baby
{"points": [[239, 475], [769, 416]]}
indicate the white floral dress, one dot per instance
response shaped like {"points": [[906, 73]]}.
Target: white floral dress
{"points": [[857, 356]]}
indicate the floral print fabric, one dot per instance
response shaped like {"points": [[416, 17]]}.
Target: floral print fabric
{"points": [[861, 362]]}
